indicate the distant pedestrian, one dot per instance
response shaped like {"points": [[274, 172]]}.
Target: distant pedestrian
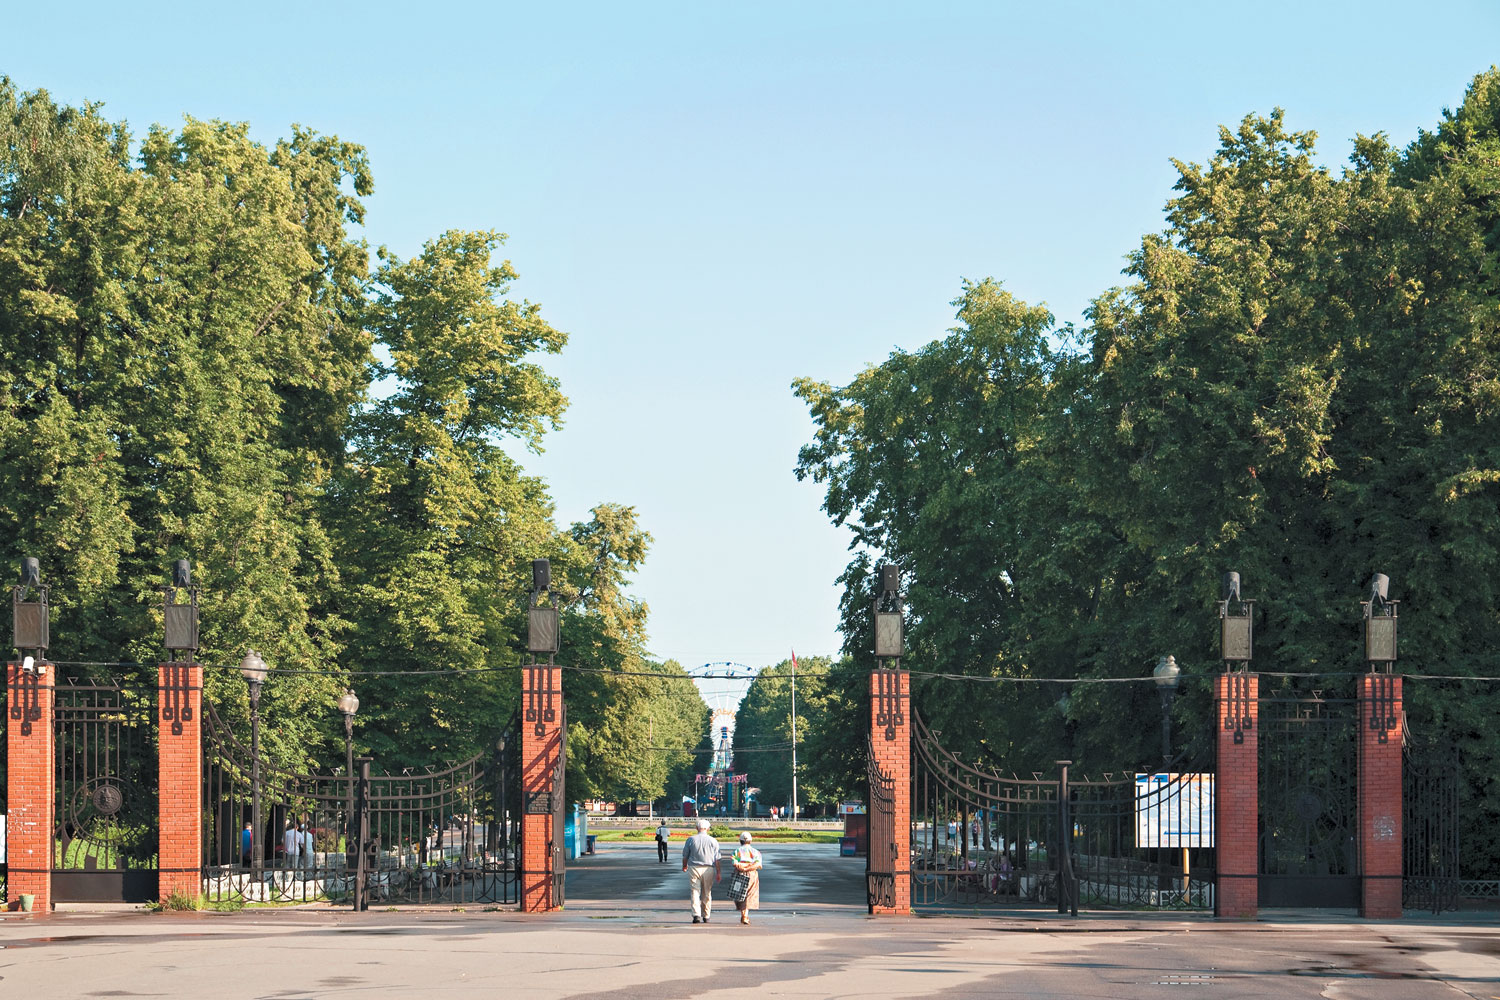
{"points": [[662, 833], [246, 839], [974, 832], [291, 845], [700, 856], [305, 842], [952, 830], [745, 889]]}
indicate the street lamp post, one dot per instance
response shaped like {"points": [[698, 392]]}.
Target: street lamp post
{"points": [[1166, 674], [349, 705], [253, 669]]}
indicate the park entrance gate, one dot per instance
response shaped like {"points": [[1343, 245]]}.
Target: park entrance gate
{"points": [[105, 841], [430, 835], [1308, 849], [1136, 838]]}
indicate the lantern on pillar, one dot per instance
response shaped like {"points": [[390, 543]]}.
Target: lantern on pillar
{"points": [[1236, 624], [888, 626], [29, 618], [1380, 623], [542, 631], [180, 620]]}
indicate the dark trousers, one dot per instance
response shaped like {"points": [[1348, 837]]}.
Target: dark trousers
{"points": [[661, 850]]}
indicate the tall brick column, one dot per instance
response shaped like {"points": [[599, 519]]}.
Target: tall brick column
{"points": [[541, 750], [1380, 796], [180, 778], [1237, 794], [890, 743], [31, 783]]}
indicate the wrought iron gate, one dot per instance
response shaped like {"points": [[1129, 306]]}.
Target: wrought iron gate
{"points": [[429, 836], [1308, 799], [1430, 828], [105, 843], [558, 844], [880, 858], [4, 784], [983, 838]]}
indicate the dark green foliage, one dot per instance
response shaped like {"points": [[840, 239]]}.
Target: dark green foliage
{"points": [[189, 337], [1302, 382]]}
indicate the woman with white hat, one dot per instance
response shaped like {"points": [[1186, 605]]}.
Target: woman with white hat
{"points": [[746, 888]]}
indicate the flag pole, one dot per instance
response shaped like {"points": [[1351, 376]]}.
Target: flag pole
{"points": [[794, 736]]}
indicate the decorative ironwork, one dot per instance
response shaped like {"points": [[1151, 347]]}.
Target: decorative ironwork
{"points": [[25, 700], [1430, 829], [5, 701], [558, 844], [983, 838], [1308, 799], [106, 834], [541, 696], [881, 858], [176, 705], [1237, 717], [438, 835], [1383, 719], [890, 702]]}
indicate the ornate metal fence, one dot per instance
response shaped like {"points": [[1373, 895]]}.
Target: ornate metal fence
{"points": [[979, 837], [4, 782], [880, 858], [438, 836], [1308, 797], [1430, 828], [105, 845]]}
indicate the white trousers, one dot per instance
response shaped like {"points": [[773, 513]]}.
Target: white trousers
{"points": [[702, 877]]}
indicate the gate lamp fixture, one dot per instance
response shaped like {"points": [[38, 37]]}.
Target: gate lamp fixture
{"points": [[348, 705], [1236, 624], [541, 624], [1167, 674], [29, 619], [253, 669], [180, 621], [1380, 623], [888, 637]]}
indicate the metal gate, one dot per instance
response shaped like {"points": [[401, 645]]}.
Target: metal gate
{"points": [[880, 858], [1430, 828], [105, 842], [1308, 851], [4, 784], [1125, 839], [428, 835], [558, 844]]}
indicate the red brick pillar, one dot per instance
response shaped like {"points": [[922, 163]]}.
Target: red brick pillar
{"points": [[890, 744], [1380, 796], [179, 696], [541, 752], [1237, 795], [31, 783]]}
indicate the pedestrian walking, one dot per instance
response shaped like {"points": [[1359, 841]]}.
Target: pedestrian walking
{"points": [[305, 842], [700, 857], [662, 833], [745, 887], [246, 838], [291, 844], [952, 830]]}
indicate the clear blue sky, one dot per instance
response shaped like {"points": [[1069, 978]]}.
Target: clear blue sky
{"points": [[715, 198]]}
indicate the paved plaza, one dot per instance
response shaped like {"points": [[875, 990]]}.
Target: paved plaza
{"points": [[625, 933]]}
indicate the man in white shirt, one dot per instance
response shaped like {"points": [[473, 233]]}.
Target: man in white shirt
{"points": [[307, 845], [662, 833], [291, 844], [700, 855]]}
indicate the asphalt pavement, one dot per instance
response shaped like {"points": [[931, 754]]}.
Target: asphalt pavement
{"points": [[625, 933]]}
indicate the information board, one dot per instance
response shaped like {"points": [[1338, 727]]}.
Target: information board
{"points": [[1174, 810]]}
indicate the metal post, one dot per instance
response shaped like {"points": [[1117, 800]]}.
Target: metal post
{"points": [[1067, 890], [257, 847], [349, 764], [1166, 725], [362, 825], [794, 739]]}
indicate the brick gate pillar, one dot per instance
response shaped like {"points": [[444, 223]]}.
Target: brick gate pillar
{"points": [[31, 783], [890, 743], [1380, 796], [1237, 794], [541, 750], [179, 696]]}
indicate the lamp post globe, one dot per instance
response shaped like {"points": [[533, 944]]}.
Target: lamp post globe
{"points": [[1166, 675]]}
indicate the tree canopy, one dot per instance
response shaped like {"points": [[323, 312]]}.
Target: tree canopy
{"points": [[1301, 382], [200, 362]]}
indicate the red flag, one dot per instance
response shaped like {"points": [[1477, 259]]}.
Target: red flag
{"points": [[794, 659]]}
